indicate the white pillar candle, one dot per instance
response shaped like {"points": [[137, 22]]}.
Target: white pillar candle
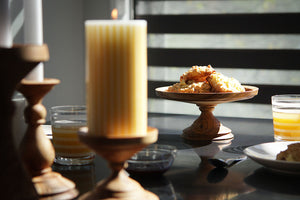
{"points": [[5, 27], [33, 33], [116, 59]]}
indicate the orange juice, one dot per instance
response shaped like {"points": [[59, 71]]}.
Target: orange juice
{"points": [[286, 116], [65, 121], [286, 125], [66, 142]]}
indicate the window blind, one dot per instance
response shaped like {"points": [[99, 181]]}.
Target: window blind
{"points": [[256, 42]]}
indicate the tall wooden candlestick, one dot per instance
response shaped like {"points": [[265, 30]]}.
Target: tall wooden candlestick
{"points": [[16, 62], [37, 150], [16, 179]]}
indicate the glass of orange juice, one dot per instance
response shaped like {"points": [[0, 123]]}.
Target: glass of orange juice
{"points": [[65, 122], [286, 117]]}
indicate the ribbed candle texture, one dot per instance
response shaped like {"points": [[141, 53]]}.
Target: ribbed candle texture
{"points": [[116, 78]]}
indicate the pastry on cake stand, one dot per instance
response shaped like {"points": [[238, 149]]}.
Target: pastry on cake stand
{"points": [[207, 127]]}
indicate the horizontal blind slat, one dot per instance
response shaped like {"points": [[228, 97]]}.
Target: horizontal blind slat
{"points": [[229, 58], [276, 23], [215, 22]]}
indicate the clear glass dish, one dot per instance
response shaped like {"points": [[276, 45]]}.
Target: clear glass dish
{"points": [[155, 159]]}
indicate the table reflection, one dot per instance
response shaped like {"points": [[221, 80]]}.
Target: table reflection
{"points": [[82, 175], [268, 180], [192, 176], [206, 181], [160, 185]]}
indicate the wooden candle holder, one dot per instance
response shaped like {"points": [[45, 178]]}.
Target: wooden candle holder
{"points": [[32, 179], [16, 63], [116, 151], [36, 149]]}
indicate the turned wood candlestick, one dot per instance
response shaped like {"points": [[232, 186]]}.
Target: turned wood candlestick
{"points": [[32, 179], [16, 63], [36, 149], [116, 151]]}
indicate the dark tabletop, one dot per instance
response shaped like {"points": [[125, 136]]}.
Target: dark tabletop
{"points": [[191, 176]]}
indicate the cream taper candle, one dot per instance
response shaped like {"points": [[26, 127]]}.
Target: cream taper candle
{"points": [[116, 59], [5, 28], [33, 33]]}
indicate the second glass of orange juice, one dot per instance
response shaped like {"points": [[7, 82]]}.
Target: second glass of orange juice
{"points": [[65, 121], [286, 117]]}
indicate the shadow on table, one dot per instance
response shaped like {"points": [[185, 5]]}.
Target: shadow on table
{"points": [[271, 181]]}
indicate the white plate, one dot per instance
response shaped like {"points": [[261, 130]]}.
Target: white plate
{"points": [[265, 154]]}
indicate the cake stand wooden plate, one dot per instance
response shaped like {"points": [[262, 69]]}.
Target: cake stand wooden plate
{"points": [[207, 127]]}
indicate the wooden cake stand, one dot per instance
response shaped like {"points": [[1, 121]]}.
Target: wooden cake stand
{"points": [[116, 151], [207, 127]]}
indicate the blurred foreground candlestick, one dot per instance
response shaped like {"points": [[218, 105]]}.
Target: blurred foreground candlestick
{"points": [[116, 77], [16, 62], [26, 174], [18, 179]]}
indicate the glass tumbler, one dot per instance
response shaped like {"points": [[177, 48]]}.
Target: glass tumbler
{"points": [[65, 122], [286, 117]]}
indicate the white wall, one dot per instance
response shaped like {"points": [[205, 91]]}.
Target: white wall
{"points": [[64, 35]]}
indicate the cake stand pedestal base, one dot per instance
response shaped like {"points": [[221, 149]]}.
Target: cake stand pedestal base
{"points": [[207, 127]]}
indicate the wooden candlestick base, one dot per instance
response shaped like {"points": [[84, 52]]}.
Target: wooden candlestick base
{"points": [[36, 149], [116, 151]]}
